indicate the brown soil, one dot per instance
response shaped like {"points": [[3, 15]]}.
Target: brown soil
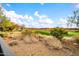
{"points": [[37, 45]]}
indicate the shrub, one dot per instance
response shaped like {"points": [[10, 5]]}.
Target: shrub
{"points": [[1, 35], [58, 32]]}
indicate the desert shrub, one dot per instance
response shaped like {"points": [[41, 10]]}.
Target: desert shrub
{"points": [[1, 35], [58, 32], [43, 32]]}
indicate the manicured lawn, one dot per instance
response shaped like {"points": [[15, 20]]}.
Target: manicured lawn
{"points": [[73, 33], [48, 33], [43, 32]]}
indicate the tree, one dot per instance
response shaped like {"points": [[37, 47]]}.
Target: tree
{"points": [[74, 19], [5, 23], [70, 21]]}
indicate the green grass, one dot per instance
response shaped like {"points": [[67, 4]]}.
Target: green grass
{"points": [[73, 33], [43, 32], [48, 33]]}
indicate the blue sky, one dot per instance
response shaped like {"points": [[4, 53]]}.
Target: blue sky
{"points": [[39, 15]]}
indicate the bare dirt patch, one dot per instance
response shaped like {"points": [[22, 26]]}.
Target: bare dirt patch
{"points": [[37, 45]]}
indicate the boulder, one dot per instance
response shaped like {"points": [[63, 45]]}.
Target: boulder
{"points": [[54, 43], [51, 42], [31, 38], [27, 39]]}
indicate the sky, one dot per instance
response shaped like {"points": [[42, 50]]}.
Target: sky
{"points": [[39, 15]]}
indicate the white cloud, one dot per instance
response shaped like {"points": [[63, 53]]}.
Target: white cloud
{"points": [[17, 18], [37, 24], [0, 5], [63, 21], [43, 20], [29, 21], [13, 16], [39, 16], [36, 14], [8, 5], [28, 17], [77, 5], [46, 21], [42, 3]]}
